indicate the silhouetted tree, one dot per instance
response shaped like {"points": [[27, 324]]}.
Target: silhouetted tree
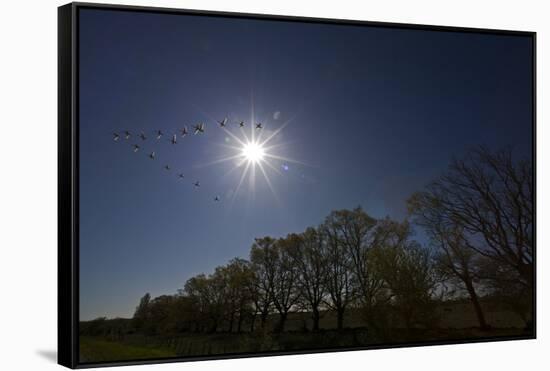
{"points": [[310, 262], [455, 260], [263, 258], [238, 277], [388, 238], [359, 235], [285, 290], [338, 280], [489, 197], [141, 314], [161, 315], [208, 294], [409, 274]]}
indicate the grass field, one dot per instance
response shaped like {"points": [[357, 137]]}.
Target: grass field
{"points": [[115, 340], [98, 350], [135, 347]]}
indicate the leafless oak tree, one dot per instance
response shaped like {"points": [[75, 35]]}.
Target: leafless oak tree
{"points": [[484, 203]]}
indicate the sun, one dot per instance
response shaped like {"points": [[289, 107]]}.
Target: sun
{"points": [[253, 152], [256, 154]]}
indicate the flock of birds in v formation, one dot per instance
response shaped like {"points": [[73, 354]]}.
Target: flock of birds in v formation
{"points": [[197, 130]]}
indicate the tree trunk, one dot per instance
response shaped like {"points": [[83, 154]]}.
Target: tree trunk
{"points": [[253, 321], [231, 320], [340, 313], [240, 322], [315, 319], [282, 320], [214, 327], [476, 304], [263, 319]]}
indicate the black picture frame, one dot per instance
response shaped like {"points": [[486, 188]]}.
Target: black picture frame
{"points": [[68, 176]]}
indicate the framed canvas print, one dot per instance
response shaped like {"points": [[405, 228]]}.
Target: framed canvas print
{"points": [[236, 185]]}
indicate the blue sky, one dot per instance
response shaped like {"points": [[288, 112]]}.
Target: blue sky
{"points": [[373, 114]]}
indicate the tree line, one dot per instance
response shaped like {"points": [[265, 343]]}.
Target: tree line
{"points": [[478, 219]]}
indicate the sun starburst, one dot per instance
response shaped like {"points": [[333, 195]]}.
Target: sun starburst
{"points": [[254, 155], [253, 152]]}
